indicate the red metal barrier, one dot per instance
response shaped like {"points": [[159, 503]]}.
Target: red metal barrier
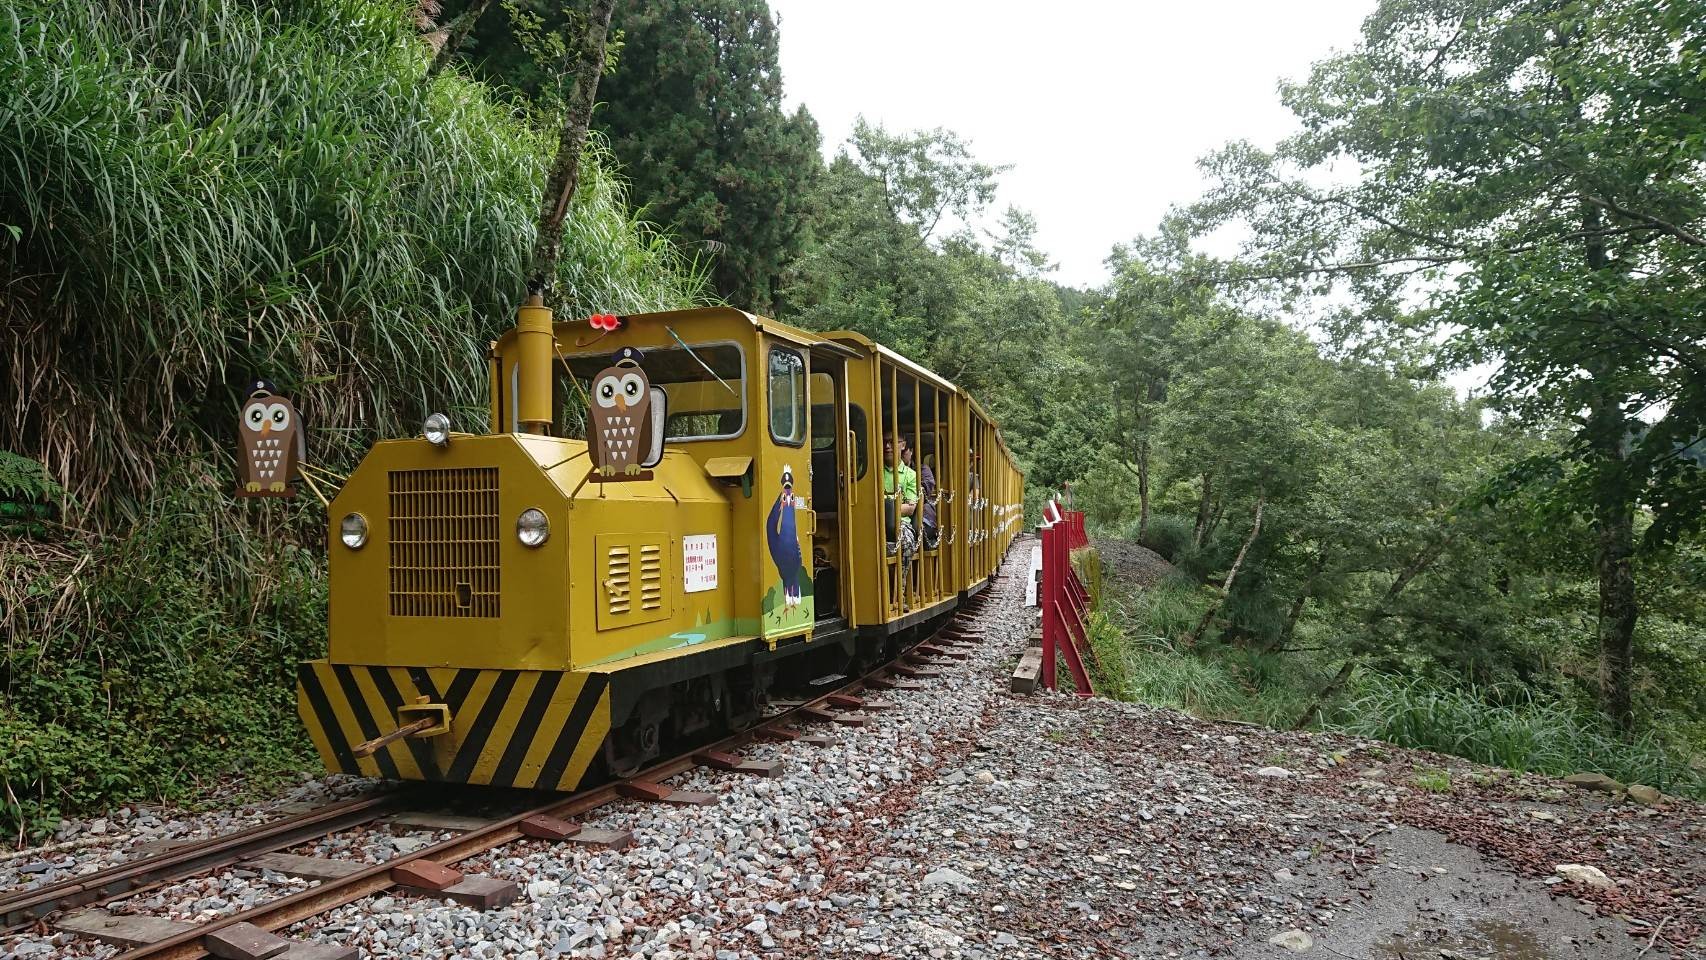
{"points": [[1065, 603]]}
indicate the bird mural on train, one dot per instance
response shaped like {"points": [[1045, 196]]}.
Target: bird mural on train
{"points": [[273, 442], [622, 418], [783, 535]]}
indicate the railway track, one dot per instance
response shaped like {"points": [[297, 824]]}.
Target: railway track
{"points": [[428, 871]]}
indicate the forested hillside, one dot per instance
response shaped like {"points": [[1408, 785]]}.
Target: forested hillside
{"points": [[341, 195]]}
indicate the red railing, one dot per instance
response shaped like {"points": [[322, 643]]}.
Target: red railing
{"points": [[1064, 601]]}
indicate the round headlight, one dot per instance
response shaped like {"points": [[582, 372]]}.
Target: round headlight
{"points": [[532, 527], [353, 531], [437, 429]]}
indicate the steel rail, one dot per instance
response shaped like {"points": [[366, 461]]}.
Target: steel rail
{"points": [[294, 908], [194, 857]]}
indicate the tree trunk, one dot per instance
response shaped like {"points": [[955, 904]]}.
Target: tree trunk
{"points": [[1154, 391], [456, 35], [565, 170], [1143, 487], [1613, 519], [1614, 523], [1296, 612], [1415, 569], [1203, 504], [1327, 693], [1231, 576]]}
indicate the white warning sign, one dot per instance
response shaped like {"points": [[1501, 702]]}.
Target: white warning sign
{"points": [[699, 562]]}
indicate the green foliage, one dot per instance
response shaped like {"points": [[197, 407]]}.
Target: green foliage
{"points": [[1168, 534], [694, 113], [138, 665], [1434, 779], [1530, 171], [1508, 727], [26, 480], [214, 191], [206, 192]]}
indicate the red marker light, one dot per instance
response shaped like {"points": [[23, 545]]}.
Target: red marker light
{"points": [[604, 321]]}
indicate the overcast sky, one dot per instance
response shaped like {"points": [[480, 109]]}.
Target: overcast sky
{"points": [[1101, 108]]}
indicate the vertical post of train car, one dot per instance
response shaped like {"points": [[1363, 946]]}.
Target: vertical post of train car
{"points": [[920, 561], [535, 346]]}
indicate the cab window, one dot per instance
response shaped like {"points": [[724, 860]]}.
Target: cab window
{"points": [[706, 388], [787, 397]]}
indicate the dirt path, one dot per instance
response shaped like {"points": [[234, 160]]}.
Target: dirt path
{"points": [[1094, 828]]}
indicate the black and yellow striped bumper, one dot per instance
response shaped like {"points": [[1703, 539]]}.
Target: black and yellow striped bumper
{"points": [[512, 728]]}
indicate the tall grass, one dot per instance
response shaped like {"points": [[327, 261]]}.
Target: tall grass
{"points": [[210, 190], [1507, 727], [195, 193]]}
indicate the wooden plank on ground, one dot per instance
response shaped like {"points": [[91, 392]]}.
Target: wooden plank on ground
{"points": [[1026, 673], [308, 868], [121, 930], [427, 820]]}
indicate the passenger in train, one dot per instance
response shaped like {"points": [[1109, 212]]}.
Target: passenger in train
{"points": [[900, 484], [926, 494]]}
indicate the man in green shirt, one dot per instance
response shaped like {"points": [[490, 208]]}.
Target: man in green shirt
{"points": [[900, 483]]}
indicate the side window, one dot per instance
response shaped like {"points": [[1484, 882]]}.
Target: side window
{"points": [[787, 397]]}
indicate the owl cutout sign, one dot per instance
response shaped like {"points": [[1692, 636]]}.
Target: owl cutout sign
{"points": [[628, 415], [273, 442]]}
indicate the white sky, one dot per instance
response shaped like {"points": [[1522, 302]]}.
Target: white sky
{"points": [[1101, 108]]}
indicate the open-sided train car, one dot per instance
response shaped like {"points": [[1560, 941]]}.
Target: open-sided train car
{"points": [[670, 516]]}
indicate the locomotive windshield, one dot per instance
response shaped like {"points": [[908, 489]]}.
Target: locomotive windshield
{"points": [[706, 387]]}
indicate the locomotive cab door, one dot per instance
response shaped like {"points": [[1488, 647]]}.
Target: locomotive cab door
{"points": [[835, 437], [788, 604]]}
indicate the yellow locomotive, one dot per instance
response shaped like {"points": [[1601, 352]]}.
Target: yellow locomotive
{"points": [[670, 516]]}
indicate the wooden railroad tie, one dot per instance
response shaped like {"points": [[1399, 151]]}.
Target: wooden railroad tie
{"points": [[852, 719], [245, 941], [541, 827], [718, 760], [844, 701], [429, 878], [817, 714], [308, 868], [651, 792]]}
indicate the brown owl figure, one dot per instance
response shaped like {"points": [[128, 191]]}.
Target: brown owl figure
{"points": [[627, 420], [273, 441]]}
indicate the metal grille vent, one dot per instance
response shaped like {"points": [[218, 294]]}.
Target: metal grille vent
{"points": [[616, 580], [651, 577], [444, 542]]}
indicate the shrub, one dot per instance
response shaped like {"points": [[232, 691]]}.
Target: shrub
{"points": [[1507, 727], [1168, 534]]}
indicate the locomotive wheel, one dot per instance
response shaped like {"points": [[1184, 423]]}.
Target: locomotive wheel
{"points": [[626, 750], [743, 706]]}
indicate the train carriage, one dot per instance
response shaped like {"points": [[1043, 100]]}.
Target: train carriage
{"points": [[668, 517]]}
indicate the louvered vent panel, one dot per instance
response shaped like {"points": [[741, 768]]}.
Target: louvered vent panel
{"points": [[651, 577], [618, 585], [634, 578], [444, 542]]}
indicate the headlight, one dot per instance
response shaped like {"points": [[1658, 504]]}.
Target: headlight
{"points": [[437, 429], [532, 527], [353, 531]]}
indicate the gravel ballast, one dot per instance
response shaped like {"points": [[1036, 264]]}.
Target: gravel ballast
{"points": [[968, 822]]}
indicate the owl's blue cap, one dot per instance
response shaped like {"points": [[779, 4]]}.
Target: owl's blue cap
{"points": [[259, 387], [633, 354]]}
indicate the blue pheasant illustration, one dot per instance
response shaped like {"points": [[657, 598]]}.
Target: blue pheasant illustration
{"points": [[784, 540]]}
